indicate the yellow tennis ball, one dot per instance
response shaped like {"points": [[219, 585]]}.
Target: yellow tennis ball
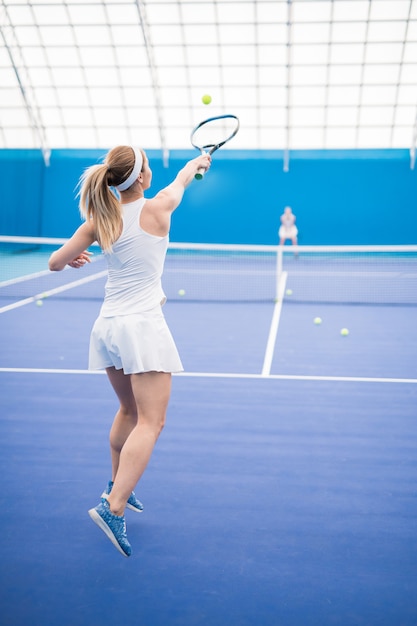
{"points": [[344, 332], [289, 292], [39, 302], [181, 292], [317, 320], [206, 99]]}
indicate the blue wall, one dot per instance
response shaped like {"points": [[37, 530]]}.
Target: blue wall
{"points": [[339, 197]]}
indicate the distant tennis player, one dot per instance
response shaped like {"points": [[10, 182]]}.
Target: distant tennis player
{"points": [[130, 339], [288, 229]]}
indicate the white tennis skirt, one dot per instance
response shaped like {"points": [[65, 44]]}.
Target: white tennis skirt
{"points": [[136, 343], [288, 233]]}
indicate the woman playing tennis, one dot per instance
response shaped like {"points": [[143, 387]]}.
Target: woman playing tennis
{"points": [[130, 339]]}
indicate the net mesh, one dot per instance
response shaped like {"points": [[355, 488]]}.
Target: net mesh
{"points": [[214, 272]]}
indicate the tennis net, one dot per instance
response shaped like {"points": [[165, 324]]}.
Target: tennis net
{"points": [[220, 272]]}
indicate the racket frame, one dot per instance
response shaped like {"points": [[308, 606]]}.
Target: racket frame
{"points": [[211, 147]]}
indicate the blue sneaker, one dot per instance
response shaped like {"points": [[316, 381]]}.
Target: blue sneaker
{"points": [[113, 525], [133, 503]]}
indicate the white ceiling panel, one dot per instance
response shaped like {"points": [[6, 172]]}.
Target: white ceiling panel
{"points": [[300, 74]]}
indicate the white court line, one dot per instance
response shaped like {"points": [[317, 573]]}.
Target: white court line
{"points": [[273, 330], [52, 292], [347, 379]]}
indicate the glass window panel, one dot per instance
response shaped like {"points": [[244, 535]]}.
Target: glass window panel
{"points": [[47, 14], [131, 55], [376, 116], [87, 14], [68, 77], [231, 14], [344, 96], [69, 96], [77, 116], [340, 137], [389, 10], [132, 76], [238, 34], [378, 137], [272, 96], [412, 30], [171, 34], [7, 78], [307, 116], [104, 116], [272, 139], [171, 77], [100, 76], [306, 138], [47, 96], [386, 31], [205, 75], [39, 76], [164, 55], [300, 75], [311, 11], [308, 95], [346, 10], [270, 33], [346, 53], [407, 94], [57, 36], [142, 115], [381, 74], [164, 13], [242, 94], [239, 55], [20, 14], [97, 56], [19, 137], [139, 96], [27, 36], [105, 95], [127, 15], [348, 32], [57, 137], [409, 74], [10, 97], [342, 116], [87, 36], [14, 117], [271, 11], [378, 95], [32, 56], [272, 54], [240, 76], [405, 116], [272, 76], [310, 33], [401, 138], [383, 52], [345, 74], [61, 56], [123, 36], [309, 55]]}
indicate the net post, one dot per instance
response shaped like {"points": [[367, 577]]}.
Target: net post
{"points": [[279, 271]]}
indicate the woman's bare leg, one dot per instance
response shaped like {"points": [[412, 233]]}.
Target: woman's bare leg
{"points": [[151, 392]]}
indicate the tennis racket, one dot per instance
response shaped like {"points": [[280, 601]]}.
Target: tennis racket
{"points": [[212, 134]]}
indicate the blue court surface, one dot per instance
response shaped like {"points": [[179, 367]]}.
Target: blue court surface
{"points": [[282, 491]]}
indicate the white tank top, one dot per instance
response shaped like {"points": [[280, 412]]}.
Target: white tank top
{"points": [[135, 267]]}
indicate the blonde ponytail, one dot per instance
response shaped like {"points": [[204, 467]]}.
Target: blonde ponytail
{"points": [[97, 200]]}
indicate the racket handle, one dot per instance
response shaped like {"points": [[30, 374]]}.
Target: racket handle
{"points": [[200, 173]]}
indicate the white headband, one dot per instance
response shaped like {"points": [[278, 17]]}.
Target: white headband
{"points": [[135, 172]]}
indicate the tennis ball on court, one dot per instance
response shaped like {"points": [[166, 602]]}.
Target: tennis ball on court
{"points": [[39, 302], [317, 320], [344, 332], [206, 99], [289, 292], [181, 292]]}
